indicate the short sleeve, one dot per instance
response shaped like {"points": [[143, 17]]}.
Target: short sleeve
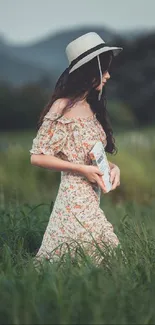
{"points": [[51, 136]]}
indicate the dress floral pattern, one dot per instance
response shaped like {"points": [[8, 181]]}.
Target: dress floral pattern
{"points": [[76, 216]]}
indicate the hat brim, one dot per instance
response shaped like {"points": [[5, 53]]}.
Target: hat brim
{"points": [[116, 51]]}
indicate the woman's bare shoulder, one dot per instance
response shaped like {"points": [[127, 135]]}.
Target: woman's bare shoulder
{"points": [[58, 105]]}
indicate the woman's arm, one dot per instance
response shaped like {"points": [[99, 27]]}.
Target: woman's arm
{"points": [[57, 164]]}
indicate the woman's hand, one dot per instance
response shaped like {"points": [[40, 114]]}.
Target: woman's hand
{"points": [[94, 175], [114, 176]]}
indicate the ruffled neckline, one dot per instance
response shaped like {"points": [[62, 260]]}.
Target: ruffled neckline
{"points": [[70, 119]]}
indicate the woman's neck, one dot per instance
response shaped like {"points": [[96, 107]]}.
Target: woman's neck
{"points": [[83, 99]]}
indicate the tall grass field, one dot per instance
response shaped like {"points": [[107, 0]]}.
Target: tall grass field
{"points": [[118, 290]]}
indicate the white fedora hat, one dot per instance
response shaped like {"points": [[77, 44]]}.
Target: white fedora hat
{"points": [[85, 48]]}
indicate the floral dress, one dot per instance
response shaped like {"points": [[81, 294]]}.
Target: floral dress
{"points": [[76, 217]]}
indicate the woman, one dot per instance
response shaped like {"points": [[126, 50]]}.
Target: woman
{"points": [[72, 122]]}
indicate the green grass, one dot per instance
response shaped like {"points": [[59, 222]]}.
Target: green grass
{"points": [[121, 290], [21, 182]]}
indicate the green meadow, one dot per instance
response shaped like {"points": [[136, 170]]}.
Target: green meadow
{"points": [[121, 289], [22, 182]]}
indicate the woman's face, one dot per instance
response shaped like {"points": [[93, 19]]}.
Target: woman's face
{"points": [[105, 78]]}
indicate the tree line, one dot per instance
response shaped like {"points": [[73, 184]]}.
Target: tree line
{"points": [[20, 107]]}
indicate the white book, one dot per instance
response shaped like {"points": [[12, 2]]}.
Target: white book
{"points": [[99, 158]]}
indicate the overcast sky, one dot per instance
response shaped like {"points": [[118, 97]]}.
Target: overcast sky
{"points": [[24, 21]]}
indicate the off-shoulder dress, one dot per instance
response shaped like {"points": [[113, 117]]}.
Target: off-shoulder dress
{"points": [[76, 216]]}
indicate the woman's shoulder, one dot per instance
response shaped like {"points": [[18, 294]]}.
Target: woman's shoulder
{"points": [[56, 110], [58, 105]]}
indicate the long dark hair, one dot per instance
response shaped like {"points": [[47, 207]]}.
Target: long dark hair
{"points": [[84, 80]]}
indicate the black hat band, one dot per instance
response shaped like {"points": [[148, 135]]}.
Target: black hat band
{"points": [[84, 54]]}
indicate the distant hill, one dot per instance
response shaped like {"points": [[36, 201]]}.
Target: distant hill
{"points": [[21, 64], [132, 72], [15, 71]]}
